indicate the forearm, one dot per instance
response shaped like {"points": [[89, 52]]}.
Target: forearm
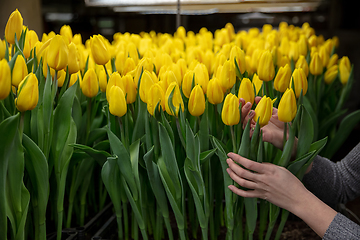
{"points": [[315, 213]]}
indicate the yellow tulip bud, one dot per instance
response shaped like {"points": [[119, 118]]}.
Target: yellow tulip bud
{"points": [[303, 45], [202, 76], [246, 90], [316, 65], [129, 88], [182, 67], [144, 64], [128, 66], [282, 78], [294, 51], [132, 52], [114, 79], [20, 71], [255, 57], [230, 113], [302, 63], [187, 82], [263, 111], [66, 32], [227, 75], [117, 103], [31, 39], [61, 77], [214, 93], [257, 82], [248, 65], [331, 73], [238, 55], [333, 60], [74, 77], [145, 83], [90, 84], [177, 100], [57, 53], [324, 55], [266, 70], [344, 69], [77, 39], [5, 79], [2, 49], [312, 41], [102, 77], [196, 104], [156, 96], [28, 93], [99, 50], [14, 26], [287, 107], [120, 61], [300, 82], [74, 58]]}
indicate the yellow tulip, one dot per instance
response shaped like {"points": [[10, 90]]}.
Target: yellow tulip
{"points": [[214, 93], [145, 83], [77, 39], [28, 93], [90, 84], [316, 65], [31, 39], [331, 73], [257, 82], [102, 77], [300, 82], [120, 61], [5, 79], [61, 77], [294, 51], [66, 31], [14, 26], [128, 66], [2, 49], [246, 90], [74, 58], [19, 72], [202, 76], [177, 100], [266, 70], [144, 64], [238, 55], [99, 50], [302, 63], [324, 55], [303, 45], [282, 78], [230, 113], [129, 88], [287, 107], [187, 82], [248, 65], [57, 53], [74, 77], [132, 52], [227, 75], [333, 60], [196, 104], [344, 69], [117, 103], [114, 79], [156, 96], [263, 111]]}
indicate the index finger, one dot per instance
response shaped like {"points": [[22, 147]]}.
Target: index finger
{"points": [[249, 164]]}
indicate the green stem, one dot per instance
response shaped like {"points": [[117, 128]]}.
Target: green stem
{"points": [[120, 229], [233, 139], [5, 111], [126, 221], [88, 120], [168, 228], [204, 232], [107, 74], [285, 135], [182, 234]]}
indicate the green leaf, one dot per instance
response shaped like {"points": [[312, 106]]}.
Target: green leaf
{"points": [[192, 147], [139, 128], [286, 155], [306, 133], [205, 156], [342, 133], [244, 149], [99, 155]]}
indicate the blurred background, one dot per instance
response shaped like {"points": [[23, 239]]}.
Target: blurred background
{"points": [[88, 17]]}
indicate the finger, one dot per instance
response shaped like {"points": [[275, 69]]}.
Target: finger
{"points": [[243, 193], [242, 173], [248, 117], [257, 99], [245, 109], [240, 180], [249, 164]]}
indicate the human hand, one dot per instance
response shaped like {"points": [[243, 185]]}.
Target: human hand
{"points": [[265, 180]]}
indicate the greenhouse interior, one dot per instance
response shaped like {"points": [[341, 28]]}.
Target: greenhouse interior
{"points": [[179, 119]]}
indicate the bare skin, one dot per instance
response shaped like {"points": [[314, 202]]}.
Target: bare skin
{"points": [[276, 184]]}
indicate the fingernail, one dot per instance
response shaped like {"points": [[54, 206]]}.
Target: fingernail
{"points": [[251, 113]]}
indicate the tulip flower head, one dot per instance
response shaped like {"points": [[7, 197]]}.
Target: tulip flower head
{"points": [[117, 102], [300, 81], [187, 83], [230, 113], [227, 75], [316, 65], [246, 90], [74, 58], [31, 39], [282, 78], [90, 84], [214, 93], [302, 63], [5, 79], [265, 69], [263, 110], [28, 93], [344, 69], [331, 73], [156, 98], [173, 100], [287, 107], [196, 103], [99, 50], [129, 88], [14, 26], [66, 31], [75, 77], [146, 82], [20, 71], [57, 53]]}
